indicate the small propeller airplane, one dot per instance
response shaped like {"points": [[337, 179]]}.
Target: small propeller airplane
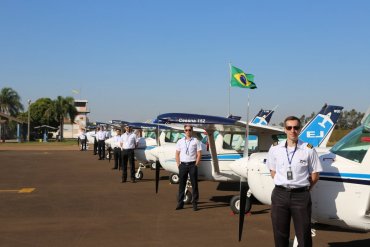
{"points": [[229, 152]]}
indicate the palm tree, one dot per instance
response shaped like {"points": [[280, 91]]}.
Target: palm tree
{"points": [[64, 107], [10, 102]]}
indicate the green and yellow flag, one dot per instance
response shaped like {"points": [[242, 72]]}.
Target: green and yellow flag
{"points": [[241, 79]]}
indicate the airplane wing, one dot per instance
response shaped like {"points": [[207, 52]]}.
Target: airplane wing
{"points": [[201, 121]]}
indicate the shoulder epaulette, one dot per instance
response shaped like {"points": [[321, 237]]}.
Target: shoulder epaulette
{"points": [[309, 146], [275, 143]]}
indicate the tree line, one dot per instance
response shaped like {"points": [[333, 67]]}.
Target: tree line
{"points": [[43, 111]]}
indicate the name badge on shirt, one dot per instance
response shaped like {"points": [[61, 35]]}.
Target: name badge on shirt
{"points": [[289, 175]]}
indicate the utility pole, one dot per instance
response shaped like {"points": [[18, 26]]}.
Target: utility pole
{"points": [[28, 130]]}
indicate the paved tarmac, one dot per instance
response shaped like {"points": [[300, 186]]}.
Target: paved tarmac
{"points": [[79, 201]]}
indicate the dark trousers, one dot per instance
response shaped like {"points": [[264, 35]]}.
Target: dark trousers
{"points": [[95, 146], [101, 149], [286, 205], [185, 170], [83, 144], [128, 155], [117, 158]]}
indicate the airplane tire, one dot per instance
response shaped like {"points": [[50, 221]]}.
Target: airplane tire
{"points": [[139, 175], [152, 166], [174, 178], [188, 197], [235, 204]]}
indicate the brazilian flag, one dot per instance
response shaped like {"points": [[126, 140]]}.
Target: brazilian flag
{"points": [[241, 79]]}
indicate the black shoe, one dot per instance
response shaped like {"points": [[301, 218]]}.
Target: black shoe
{"points": [[99, 159], [195, 207], [179, 207], [114, 168], [133, 181], [123, 180]]}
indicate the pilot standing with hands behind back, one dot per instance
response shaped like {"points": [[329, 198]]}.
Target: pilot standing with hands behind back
{"points": [[129, 142], [188, 154], [294, 166]]}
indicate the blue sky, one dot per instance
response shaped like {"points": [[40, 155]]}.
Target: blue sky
{"points": [[133, 60]]}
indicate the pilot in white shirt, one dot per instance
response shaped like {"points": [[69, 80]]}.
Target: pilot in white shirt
{"points": [[295, 168], [100, 136], [116, 146], [188, 154], [128, 144]]}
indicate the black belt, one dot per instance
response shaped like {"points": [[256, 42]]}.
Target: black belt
{"points": [[301, 189], [188, 163]]}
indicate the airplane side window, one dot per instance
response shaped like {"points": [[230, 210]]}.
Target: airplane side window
{"points": [[168, 137], [227, 141], [354, 146], [237, 142]]}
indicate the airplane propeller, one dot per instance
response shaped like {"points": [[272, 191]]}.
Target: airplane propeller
{"points": [[242, 204], [109, 154], [157, 170]]}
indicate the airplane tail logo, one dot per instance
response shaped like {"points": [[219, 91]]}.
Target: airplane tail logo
{"points": [[263, 117], [317, 131]]}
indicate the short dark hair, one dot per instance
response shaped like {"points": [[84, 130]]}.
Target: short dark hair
{"points": [[292, 118], [188, 125]]}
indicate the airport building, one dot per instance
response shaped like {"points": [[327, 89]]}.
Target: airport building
{"points": [[73, 130]]}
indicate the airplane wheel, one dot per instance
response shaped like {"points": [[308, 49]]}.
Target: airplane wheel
{"points": [[174, 178], [152, 166], [235, 204], [139, 175], [188, 197]]}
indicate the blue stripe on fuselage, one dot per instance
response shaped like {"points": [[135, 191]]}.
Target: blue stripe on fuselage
{"points": [[353, 178], [223, 157]]}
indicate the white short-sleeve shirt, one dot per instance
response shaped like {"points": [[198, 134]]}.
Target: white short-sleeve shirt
{"points": [[188, 149], [129, 140], [100, 135], [304, 162]]}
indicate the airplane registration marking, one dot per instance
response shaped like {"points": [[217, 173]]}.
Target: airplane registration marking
{"points": [[23, 190]]}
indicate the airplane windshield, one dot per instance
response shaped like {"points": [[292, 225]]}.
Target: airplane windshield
{"points": [[150, 134], [354, 146], [237, 142]]}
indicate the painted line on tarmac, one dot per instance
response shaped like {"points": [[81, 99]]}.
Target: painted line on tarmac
{"points": [[23, 190]]}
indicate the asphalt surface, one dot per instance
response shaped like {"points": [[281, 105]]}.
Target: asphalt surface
{"points": [[80, 201]]}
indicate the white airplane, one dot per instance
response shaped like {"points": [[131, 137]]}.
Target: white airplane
{"points": [[224, 145], [342, 195], [149, 141], [230, 150]]}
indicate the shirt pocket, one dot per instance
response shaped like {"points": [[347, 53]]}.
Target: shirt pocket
{"points": [[301, 168]]}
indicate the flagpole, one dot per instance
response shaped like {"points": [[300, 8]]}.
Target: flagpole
{"points": [[247, 129], [229, 85]]}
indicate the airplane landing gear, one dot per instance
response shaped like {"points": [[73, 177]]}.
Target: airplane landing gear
{"points": [[174, 178], [188, 197], [139, 174], [235, 204]]}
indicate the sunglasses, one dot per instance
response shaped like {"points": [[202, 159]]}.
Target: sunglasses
{"points": [[186, 130], [292, 127]]}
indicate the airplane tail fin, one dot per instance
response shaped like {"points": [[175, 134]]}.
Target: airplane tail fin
{"points": [[263, 117], [319, 129]]}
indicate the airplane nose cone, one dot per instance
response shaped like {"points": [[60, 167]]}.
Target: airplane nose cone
{"points": [[154, 153], [239, 167]]}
